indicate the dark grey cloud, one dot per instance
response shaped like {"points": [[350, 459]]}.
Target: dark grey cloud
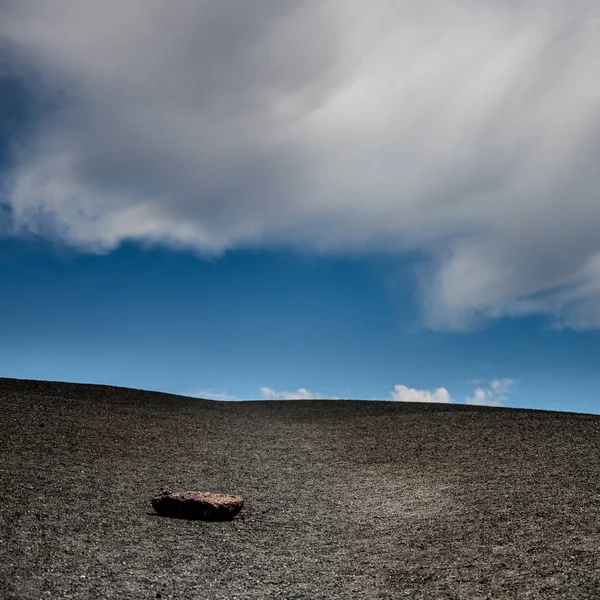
{"points": [[466, 131]]}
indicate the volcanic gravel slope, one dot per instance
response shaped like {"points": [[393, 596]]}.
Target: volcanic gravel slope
{"points": [[344, 499]]}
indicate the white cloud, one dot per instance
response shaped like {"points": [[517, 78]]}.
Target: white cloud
{"points": [[401, 393], [501, 386], [482, 397], [465, 131], [495, 394], [214, 395], [490, 393], [266, 392], [300, 394]]}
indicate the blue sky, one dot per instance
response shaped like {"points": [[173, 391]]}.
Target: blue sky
{"points": [[349, 328], [299, 200]]}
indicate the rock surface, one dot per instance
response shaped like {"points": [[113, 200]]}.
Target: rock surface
{"points": [[206, 506]]}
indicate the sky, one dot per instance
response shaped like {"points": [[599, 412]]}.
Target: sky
{"points": [[293, 199]]}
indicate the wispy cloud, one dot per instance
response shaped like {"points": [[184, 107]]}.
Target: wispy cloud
{"points": [[466, 131], [402, 393], [299, 394], [213, 395], [494, 394]]}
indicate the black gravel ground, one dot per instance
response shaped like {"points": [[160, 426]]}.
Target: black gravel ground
{"points": [[343, 499]]}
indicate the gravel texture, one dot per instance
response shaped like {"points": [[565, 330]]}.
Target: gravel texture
{"points": [[343, 499]]}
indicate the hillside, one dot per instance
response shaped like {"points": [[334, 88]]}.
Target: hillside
{"points": [[344, 499]]}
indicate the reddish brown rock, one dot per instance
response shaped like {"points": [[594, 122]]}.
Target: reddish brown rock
{"points": [[206, 506]]}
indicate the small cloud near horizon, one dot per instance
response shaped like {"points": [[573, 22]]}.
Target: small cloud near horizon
{"points": [[402, 393], [493, 395], [490, 393], [300, 394], [214, 395]]}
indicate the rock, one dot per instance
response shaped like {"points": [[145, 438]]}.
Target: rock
{"points": [[206, 506]]}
